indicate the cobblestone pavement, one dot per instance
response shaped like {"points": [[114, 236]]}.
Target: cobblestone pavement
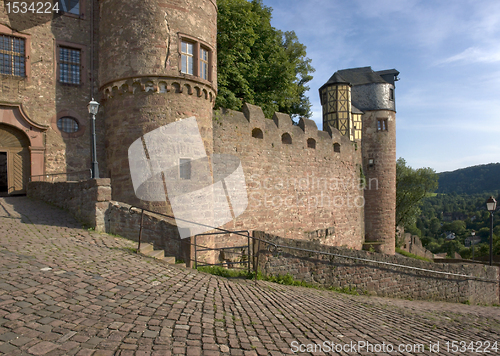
{"points": [[68, 291]]}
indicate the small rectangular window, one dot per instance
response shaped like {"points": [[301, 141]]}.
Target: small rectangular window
{"points": [[70, 6], [69, 65], [187, 57], [382, 125], [391, 94], [184, 168], [203, 63], [12, 56]]}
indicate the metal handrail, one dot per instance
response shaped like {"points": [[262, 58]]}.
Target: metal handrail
{"points": [[61, 173], [275, 247]]}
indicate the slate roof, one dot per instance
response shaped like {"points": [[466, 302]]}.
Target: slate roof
{"points": [[360, 76], [363, 75]]}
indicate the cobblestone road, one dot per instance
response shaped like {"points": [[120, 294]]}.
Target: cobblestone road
{"points": [[68, 291]]}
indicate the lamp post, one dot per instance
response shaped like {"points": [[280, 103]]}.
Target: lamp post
{"points": [[473, 233], [93, 109], [491, 205]]}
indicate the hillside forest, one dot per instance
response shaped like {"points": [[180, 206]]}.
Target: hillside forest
{"points": [[457, 209]]}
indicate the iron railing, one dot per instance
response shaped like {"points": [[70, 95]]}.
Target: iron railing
{"points": [[278, 249], [244, 258]]}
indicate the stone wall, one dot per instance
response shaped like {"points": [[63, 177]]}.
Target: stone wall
{"points": [[412, 244], [87, 201], [294, 188], [90, 202], [157, 230], [378, 279]]}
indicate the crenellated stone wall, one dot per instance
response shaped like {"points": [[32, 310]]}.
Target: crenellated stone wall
{"points": [[294, 188]]}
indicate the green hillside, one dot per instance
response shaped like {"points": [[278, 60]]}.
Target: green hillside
{"points": [[458, 208], [471, 180]]}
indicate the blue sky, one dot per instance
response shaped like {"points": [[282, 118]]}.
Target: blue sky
{"points": [[448, 54]]}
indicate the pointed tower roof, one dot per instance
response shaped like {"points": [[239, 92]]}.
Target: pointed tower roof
{"points": [[336, 78]]}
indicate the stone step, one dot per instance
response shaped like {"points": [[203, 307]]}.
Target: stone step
{"points": [[158, 254], [170, 260], [146, 248]]}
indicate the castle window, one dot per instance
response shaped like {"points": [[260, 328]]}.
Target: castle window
{"points": [[185, 168], [391, 94], [195, 57], [69, 63], [382, 125], [187, 66], [12, 56], [286, 139], [336, 147], [67, 124], [257, 133], [311, 143], [203, 63], [70, 6]]}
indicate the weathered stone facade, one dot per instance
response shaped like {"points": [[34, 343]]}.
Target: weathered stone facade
{"points": [[38, 98], [294, 188], [394, 276], [152, 63]]}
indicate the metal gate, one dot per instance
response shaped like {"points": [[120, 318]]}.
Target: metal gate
{"points": [[237, 257]]}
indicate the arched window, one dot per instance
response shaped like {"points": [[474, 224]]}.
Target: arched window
{"points": [[336, 147], [311, 143], [257, 133], [68, 124], [286, 139]]}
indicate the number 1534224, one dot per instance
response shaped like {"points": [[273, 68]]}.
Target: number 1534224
{"points": [[23, 7]]}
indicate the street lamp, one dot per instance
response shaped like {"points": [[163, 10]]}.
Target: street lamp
{"points": [[93, 109], [491, 205], [473, 233]]}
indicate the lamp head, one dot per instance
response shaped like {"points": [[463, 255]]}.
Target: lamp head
{"points": [[491, 204], [93, 107]]}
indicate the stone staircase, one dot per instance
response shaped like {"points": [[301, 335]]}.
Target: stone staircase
{"points": [[148, 250]]}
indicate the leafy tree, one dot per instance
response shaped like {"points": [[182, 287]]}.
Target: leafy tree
{"points": [[412, 185], [258, 64]]}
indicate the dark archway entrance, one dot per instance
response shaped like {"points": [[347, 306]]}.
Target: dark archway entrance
{"points": [[14, 160], [3, 174]]}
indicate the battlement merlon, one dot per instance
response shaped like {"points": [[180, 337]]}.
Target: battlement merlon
{"points": [[252, 117]]}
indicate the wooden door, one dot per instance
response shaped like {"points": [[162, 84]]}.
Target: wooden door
{"points": [[16, 144]]}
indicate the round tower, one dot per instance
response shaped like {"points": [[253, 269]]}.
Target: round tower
{"points": [[157, 65], [373, 93]]}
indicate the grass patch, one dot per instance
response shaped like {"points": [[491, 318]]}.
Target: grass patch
{"points": [[411, 255], [227, 273], [286, 279]]}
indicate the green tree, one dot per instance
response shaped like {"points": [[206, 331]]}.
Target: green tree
{"points": [[257, 63], [412, 185]]}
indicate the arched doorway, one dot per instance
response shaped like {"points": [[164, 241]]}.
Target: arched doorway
{"points": [[14, 160]]}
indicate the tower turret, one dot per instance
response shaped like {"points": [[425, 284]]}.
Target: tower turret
{"points": [[157, 65], [373, 93]]}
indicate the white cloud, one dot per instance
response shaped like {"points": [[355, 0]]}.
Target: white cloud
{"points": [[475, 54]]}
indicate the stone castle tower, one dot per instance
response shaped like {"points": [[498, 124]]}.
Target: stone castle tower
{"points": [[157, 65], [360, 103], [151, 63]]}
